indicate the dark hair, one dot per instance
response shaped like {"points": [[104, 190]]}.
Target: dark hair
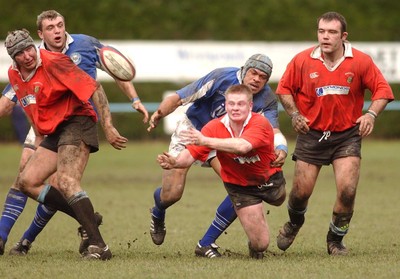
{"points": [[329, 16], [50, 14]]}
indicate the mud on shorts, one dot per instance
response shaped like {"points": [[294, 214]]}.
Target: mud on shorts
{"points": [[322, 148], [177, 144], [72, 132], [271, 191]]}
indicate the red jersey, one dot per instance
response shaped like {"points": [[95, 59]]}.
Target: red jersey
{"points": [[332, 99], [56, 91], [253, 168]]}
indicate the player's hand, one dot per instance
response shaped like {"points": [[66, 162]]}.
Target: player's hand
{"points": [[300, 123], [166, 161], [114, 138], [154, 120], [280, 158], [192, 136], [367, 123], [138, 106]]}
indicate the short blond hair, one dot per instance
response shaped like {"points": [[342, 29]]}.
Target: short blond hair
{"points": [[240, 89]]}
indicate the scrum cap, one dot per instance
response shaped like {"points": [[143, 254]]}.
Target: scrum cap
{"points": [[17, 41], [258, 61]]}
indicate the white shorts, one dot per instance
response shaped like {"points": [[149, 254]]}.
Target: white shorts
{"points": [[30, 139], [177, 144]]}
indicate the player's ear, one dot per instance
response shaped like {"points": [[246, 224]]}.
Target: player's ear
{"points": [[40, 34], [344, 35]]}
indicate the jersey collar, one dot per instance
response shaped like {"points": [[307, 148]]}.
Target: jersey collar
{"points": [[316, 53], [225, 122], [69, 41]]}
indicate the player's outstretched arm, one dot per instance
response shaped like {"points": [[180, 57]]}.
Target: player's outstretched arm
{"points": [[129, 90], [101, 102], [167, 161], [167, 106]]}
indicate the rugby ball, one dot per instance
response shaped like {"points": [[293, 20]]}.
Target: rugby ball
{"points": [[116, 64]]}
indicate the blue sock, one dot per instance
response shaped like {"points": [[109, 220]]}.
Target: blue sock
{"points": [[224, 216], [13, 207], [42, 217], [158, 210]]}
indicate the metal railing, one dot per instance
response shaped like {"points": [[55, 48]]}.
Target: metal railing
{"points": [[151, 107]]}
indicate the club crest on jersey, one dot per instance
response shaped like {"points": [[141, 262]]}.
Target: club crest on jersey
{"points": [[349, 77], [76, 58]]}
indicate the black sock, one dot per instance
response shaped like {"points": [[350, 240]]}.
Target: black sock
{"points": [[56, 200], [83, 208]]}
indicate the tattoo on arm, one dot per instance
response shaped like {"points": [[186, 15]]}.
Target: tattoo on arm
{"points": [[101, 102]]}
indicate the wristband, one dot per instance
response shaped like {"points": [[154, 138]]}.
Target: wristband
{"points": [[372, 113], [135, 99], [293, 114], [282, 147], [280, 142]]}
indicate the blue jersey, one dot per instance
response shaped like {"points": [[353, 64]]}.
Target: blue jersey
{"points": [[83, 51], [207, 96]]}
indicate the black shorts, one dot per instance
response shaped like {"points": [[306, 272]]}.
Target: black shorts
{"points": [[250, 195], [72, 132], [322, 148]]}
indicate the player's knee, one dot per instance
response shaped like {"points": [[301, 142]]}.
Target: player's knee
{"points": [[347, 197], [23, 184], [170, 198]]}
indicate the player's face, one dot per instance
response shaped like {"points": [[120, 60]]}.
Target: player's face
{"points": [[53, 34], [238, 107], [27, 59], [255, 79], [330, 36]]}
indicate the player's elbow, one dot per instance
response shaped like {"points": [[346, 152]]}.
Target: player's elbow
{"points": [[243, 148]]}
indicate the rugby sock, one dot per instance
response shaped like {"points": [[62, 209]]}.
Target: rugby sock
{"points": [[339, 226], [83, 208], [159, 208], [42, 217], [224, 216], [296, 215], [13, 207], [51, 197]]}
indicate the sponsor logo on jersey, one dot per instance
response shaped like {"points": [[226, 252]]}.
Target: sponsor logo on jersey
{"points": [[247, 160], [314, 75], [76, 58], [332, 90], [28, 100]]}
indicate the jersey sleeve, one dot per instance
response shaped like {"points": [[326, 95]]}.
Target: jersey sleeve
{"points": [[258, 132], [270, 108], [9, 93], [75, 79], [376, 83], [289, 80], [204, 87]]}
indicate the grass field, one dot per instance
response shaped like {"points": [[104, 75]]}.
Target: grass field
{"points": [[121, 184]]}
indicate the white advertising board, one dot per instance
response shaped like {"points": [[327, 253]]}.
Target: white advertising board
{"points": [[185, 61]]}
